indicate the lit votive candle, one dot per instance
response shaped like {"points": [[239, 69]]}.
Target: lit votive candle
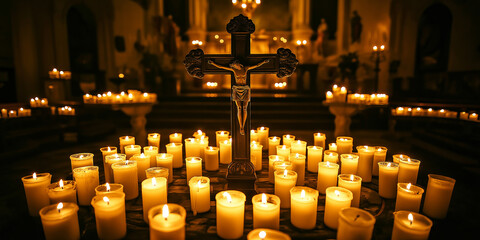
{"points": [[109, 150], [408, 171], [387, 179], [166, 160], [198, 134], [157, 172], [288, 139], [263, 133], [202, 143], [337, 199], [299, 146], [284, 181], [267, 234], [151, 152], [365, 162], [35, 192], [126, 173], [194, 167], [108, 188], [349, 163], [256, 155], [143, 163], [253, 135], [330, 156], [199, 194], [398, 157], [473, 117], [60, 221], [221, 136], [298, 165], [175, 138], [266, 211], [226, 151], [131, 150], [319, 139], [344, 145], [332, 147], [110, 216], [437, 198], [273, 142], [62, 191], [125, 141], [410, 225], [284, 151], [81, 160], [192, 148], [167, 222], [87, 179], [230, 214], [211, 158], [271, 160], [153, 139], [176, 150], [355, 224], [409, 197], [154, 192], [109, 160], [314, 156], [303, 211], [352, 183], [380, 155], [327, 176]]}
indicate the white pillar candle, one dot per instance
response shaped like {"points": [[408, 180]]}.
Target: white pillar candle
{"points": [[108, 188], [81, 160], [332, 147], [125, 141], [303, 210], [230, 214], [344, 145], [387, 179], [109, 150], [131, 150], [410, 225], [256, 155], [151, 152], [154, 192], [380, 155], [271, 160], [62, 191], [284, 151], [409, 197], [176, 150], [437, 198], [126, 173], [355, 224], [352, 183], [299, 146], [349, 163], [175, 138], [267, 234], [288, 139], [337, 199], [284, 181], [202, 144], [221, 136], [199, 194], [211, 158], [226, 151], [266, 211], [87, 179], [154, 139], [35, 192], [194, 167], [408, 170], [143, 163], [397, 157], [263, 133], [314, 156], [60, 221], [110, 216], [166, 160], [273, 142], [298, 165], [365, 162], [327, 176], [192, 148], [330, 156], [167, 222], [319, 140], [109, 160], [198, 134], [253, 135], [157, 172]]}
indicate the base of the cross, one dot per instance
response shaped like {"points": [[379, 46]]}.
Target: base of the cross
{"points": [[241, 176]]}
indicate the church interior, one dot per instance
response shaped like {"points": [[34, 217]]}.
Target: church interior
{"points": [[239, 119]]}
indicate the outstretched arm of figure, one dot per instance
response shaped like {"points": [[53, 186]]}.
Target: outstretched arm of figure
{"points": [[259, 64], [219, 66]]}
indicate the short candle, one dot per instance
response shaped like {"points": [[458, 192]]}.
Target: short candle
{"points": [[256, 155], [344, 145], [109, 160], [397, 157], [81, 160], [35, 186], [230, 214], [355, 224], [349, 163], [271, 160], [266, 211], [273, 142], [157, 172], [124, 141], [60, 221], [303, 210], [151, 152], [408, 170], [284, 151], [337, 199], [299, 146], [226, 151], [263, 133], [194, 167], [110, 217], [176, 150], [143, 163], [221, 136], [332, 147], [319, 139], [298, 165], [410, 225], [211, 158], [167, 222], [352, 183], [154, 139], [154, 192], [409, 197], [327, 176], [380, 155], [437, 198], [287, 140], [365, 162], [131, 150], [330, 156], [175, 138], [62, 191]]}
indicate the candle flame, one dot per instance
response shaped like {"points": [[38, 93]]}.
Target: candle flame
{"points": [[329, 94], [262, 128], [389, 164], [302, 194], [107, 186], [126, 137], [142, 155], [410, 218], [328, 164], [334, 145], [155, 135], [60, 183], [225, 142], [337, 193], [277, 158], [199, 183], [262, 235], [287, 136], [285, 173], [165, 211], [199, 132], [409, 185], [175, 134], [150, 148], [34, 175], [352, 177], [297, 155], [108, 149], [227, 195], [173, 144], [105, 199], [210, 148], [315, 147], [59, 206], [154, 181], [284, 147], [264, 198]]}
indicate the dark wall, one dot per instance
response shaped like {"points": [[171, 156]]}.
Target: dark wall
{"points": [[7, 79], [179, 11], [324, 9]]}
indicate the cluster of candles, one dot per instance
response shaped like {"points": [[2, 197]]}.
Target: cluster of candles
{"points": [[430, 112], [197, 43], [340, 176], [132, 96], [21, 112], [38, 102], [339, 94], [66, 110], [211, 85], [282, 39], [55, 74], [280, 85]]}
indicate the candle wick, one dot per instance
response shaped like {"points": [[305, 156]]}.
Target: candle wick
{"points": [[58, 209], [356, 217]]}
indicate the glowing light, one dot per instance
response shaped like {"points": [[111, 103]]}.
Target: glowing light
{"points": [[227, 196], [299, 42], [409, 185], [410, 218], [375, 48], [60, 183], [55, 70], [165, 211], [154, 181], [352, 177], [107, 186], [262, 235], [244, 5], [59, 206], [105, 199], [121, 75], [302, 194], [389, 164], [382, 47], [337, 193], [222, 41], [216, 36], [285, 173], [34, 176], [234, 1], [264, 198], [304, 42]]}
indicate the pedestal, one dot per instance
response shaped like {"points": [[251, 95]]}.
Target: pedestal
{"points": [[343, 115]]}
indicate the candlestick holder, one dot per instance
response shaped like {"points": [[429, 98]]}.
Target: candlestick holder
{"points": [[378, 56]]}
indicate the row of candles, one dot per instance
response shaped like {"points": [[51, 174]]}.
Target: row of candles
{"points": [[21, 112], [38, 102], [56, 74], [132, 96], [65, 110], [430, 112], [339, 94], [155, 170]]}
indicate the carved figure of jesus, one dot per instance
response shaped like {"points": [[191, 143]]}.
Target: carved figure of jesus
{"points": [[240, 89]]}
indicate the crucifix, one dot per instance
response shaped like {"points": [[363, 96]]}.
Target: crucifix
{"points": [[240, 63]]}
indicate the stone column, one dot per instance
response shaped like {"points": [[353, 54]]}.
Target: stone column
{"points": [[197, 13], [301, 20]]}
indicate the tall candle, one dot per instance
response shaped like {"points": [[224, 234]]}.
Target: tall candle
{"points": [[355, 224], [131, 150], [62, 191], [337, 199], [176, 150], [221, 136], [344, 145], [271, 170], [105, 152], [81, 160], [154, 192], [198, 134], [410, 225], [387, 179], [256, 155], [284, 151], [35, 192], [266, 211], [166, 160], [365, 162], [151, 152], [199, 194], [211, 158], [60, 221], [192, 148], [202, 143], [230, 214], [175, 138], [299, 146], [109, 160], [409, 197], [167, 222], [327, 176], [352, 183], [315, 155], [303, 211], [288, 139], [126, 173], [87, 179], [319, 139], [107, 188], [226, 151], [380, 155], [332, 147], [154, 139], [284, 181], [298, 165], [263, 133], [349, 163], [253, 135], [397, 157], [408, 170], [437, 198], [273, 142], [143, 163], [157, 172], [125, 141], [267, 234], [330, 156], [194, 167], [110, 216]]}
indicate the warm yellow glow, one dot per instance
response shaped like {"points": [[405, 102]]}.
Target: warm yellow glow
{"points": [[297, 155], [304, 42], [154, 181], [409, 185], [61, 72], [352, 177], [275, 38], [234, 1], [165, 211], [121, 75], [227, 196], [302, 194], [264, 198], [284, 147], [285, 173], [55, 70], [329, 94], [410, 218], [60, 183], [299, 42], [328, 164], [222, 41], [216, 36], [145, 94], [334, 144], [382, 47], [258, 1], [199, 183], [389, 164], [375, 48], [105, 199], [107, 186], [244, 5], [337, 193], [59, 206], [314, 147], [199, 132], [262, 235], [34, 175]]}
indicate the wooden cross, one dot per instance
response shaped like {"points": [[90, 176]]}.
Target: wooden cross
{"points": [[241, 172]]}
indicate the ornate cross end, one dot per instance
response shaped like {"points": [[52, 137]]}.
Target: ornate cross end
{"points": [[240, 24], [287, 62], [193, 63]]}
